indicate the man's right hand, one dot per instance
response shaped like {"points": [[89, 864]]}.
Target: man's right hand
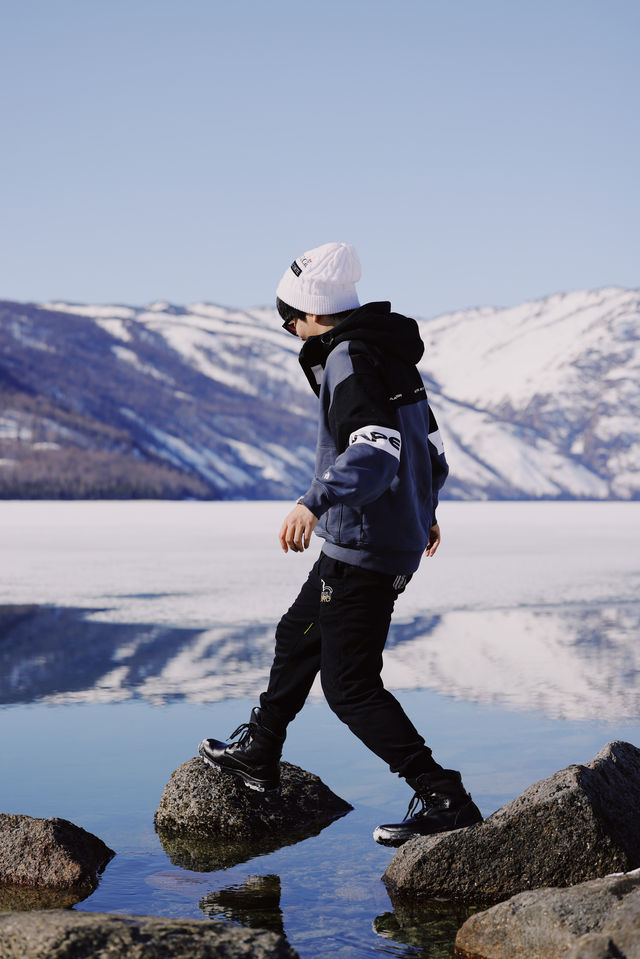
{"points": [[295, 532]]}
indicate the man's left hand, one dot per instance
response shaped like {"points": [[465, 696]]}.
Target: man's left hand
{"points": [[295, 533], [434, 540]]}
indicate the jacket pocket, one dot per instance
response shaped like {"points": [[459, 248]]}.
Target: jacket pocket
{"points": [[349, 527]]}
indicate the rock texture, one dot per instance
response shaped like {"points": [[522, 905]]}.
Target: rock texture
{"points": [[50, 852], [581, 823], [84, 935], [599, 919], [200, 801]]}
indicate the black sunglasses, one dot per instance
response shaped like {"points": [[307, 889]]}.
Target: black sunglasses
{"points": [[289, 315]]}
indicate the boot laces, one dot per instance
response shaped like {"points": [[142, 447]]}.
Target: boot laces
{"points": [[245, 731], [426, 801]]}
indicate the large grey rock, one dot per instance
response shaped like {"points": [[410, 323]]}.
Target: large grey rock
{"points": [[50, 852], [61, 934], [581, 823], [200, 801], [599, 919]]}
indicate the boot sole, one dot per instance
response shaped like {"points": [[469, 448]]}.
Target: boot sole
{"points": [[385, 838], [397, 835], [257, 785]]}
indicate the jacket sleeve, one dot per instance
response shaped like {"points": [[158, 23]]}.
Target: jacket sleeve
{"points": [[439, 465], [364, 429]]}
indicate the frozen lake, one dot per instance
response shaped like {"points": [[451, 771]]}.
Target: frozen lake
{"points": [[131, 630]]}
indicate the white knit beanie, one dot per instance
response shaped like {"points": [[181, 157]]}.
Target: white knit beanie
{"points": [[322, 280]]}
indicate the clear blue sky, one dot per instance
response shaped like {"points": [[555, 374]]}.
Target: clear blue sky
{"points": [[474, 151]]}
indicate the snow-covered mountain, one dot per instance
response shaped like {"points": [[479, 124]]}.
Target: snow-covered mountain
{"points": [[537, 401], [542, 400]]}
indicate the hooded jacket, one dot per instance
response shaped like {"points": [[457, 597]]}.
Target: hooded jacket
{"points": [[380, 461]]}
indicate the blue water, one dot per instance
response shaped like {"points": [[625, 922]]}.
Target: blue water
{"points": [[525, 633], [104, 767]]}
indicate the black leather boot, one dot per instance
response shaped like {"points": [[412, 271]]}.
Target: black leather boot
{"points": [[254, 757], [445, 805]]}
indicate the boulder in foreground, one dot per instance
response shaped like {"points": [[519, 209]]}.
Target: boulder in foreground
{"points": [[50, 853], [92, 935], [581, 823], [599, 919], [199, 800]]}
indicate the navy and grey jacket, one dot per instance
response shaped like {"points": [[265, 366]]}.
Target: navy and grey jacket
{"points": [[380, 461]]}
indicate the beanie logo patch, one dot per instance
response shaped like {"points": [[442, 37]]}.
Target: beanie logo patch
{"points": [[295, 268]]}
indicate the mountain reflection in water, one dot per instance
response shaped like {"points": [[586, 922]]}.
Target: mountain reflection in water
{"points": [[576, 661]]}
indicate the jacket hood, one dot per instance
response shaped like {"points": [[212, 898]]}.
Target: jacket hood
{"points": [[375, 324]]}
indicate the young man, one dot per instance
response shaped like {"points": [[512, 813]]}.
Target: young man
{"points": [[379, 467]]}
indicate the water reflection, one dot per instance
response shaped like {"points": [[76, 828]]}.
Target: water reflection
{"points": [[14, 898], [430, 927], [569, 662], [202, 854], [62, 655], [255, 903]]}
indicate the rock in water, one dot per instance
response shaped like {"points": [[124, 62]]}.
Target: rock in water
{"points": [[93, 935], [199, 800], [51, 853], [599, 919], [581, 823]]}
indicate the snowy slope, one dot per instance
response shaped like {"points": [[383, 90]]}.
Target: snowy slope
{"points": [[542, 400], [538, 401], [215, 409]]}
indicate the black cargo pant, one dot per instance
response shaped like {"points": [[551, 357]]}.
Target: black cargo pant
{"points": [[338, 626]]}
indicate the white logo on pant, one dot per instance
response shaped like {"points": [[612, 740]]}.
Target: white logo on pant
{"points": [[379, 436], [327, 591]]}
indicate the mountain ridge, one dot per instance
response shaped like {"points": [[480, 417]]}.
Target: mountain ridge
{"points": [[537, 401]]}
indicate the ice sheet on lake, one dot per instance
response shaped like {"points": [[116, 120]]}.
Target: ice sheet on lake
{"points": [[529, 605]]}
